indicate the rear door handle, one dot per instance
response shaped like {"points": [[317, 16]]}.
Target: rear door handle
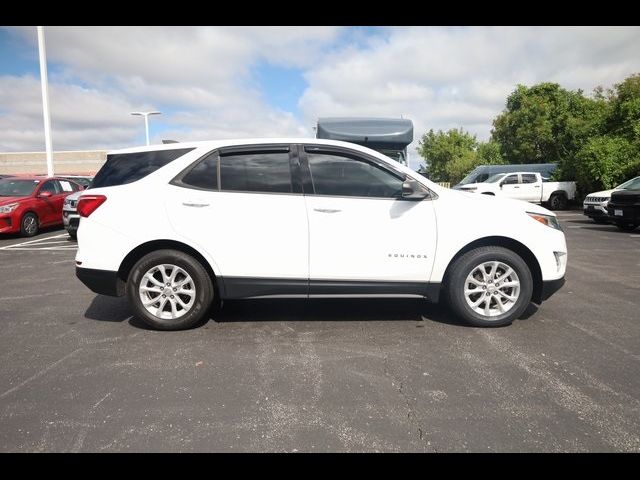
{"points": [[194, 204], [326, 210]]}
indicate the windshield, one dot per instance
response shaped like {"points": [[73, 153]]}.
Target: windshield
{"points": [[474, 177], [495, 178], [17, 188], [633, 184]]}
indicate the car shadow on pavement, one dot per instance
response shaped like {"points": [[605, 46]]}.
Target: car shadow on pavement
{"points": [[112, 309], [116, 309]]}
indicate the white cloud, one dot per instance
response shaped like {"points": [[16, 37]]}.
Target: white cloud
{"points": [[460, 77], [440, 77]]}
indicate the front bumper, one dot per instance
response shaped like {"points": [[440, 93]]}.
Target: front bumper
{"points": [[9, 224], [70, 219], [549, 287], [629, 213], [595, 210], [103, 282]]}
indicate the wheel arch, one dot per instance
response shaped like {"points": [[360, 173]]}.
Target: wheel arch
{"points": [[514, 245], [143, 249]]}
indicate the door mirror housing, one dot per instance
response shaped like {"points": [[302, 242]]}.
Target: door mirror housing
{"points": [[45, 194], [412, 190]]}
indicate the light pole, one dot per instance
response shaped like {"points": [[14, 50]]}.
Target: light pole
{"points": [[45, 101], [146, 120]]}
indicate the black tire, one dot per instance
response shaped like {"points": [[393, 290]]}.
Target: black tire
{"points": [[29, 225], [557, 202], [626, 227], [456, 278], [203, 287], [73, 234]]}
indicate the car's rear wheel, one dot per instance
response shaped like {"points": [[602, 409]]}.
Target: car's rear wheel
{"points": [[558, 202], [170, 290], [489, 286], [29, 225]]}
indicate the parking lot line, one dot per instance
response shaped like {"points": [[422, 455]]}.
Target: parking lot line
{"points": [[45, 243]]}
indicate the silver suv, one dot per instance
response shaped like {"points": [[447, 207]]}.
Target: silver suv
{"points": [[70, 217]]}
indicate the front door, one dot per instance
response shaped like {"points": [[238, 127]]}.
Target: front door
{"points": [[48, 206], [363, 236], [510, 186]]}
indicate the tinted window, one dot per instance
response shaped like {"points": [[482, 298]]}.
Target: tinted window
{"points": [[67, 186], [334, 174], [482, 177], [204, 174], [510, 180], [528, 178], [124, 168], [256, 172], [50, 186]]}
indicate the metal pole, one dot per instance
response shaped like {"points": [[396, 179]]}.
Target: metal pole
{"points": [[146, 126], [45, 101]]}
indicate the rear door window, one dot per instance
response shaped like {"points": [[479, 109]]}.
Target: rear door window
{"points": [[528, 178], [260, 172], [204, 175], [123, 168]]}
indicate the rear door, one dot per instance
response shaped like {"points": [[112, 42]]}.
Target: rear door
{"points": [[530, 187], [364, 238], [244, 206]]}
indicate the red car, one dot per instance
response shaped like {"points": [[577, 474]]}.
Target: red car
{"points": [[29, 203]]}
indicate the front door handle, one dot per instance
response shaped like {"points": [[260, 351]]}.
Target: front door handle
{"points": [[194, 204], [326, 210]]}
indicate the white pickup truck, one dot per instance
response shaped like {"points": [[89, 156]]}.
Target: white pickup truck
{"points": [[528, 186]]}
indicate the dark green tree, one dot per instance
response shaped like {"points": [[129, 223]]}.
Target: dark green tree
{"points": [[440, 149], [546, 123]]}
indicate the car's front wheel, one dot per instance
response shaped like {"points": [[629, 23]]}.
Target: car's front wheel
{"points": [[489, 286], [29, 226], [170, 290]]}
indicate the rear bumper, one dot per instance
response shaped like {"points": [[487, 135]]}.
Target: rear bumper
{"points": [[103, 282], [549, 287]]}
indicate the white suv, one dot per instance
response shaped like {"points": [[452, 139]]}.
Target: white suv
{"points": [[176, 226]]}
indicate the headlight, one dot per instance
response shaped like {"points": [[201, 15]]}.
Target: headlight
{"points": [[9, 208], [548, 220]]}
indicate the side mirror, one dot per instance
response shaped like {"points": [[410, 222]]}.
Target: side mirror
{"points": [[45, 194], [412, 190]]}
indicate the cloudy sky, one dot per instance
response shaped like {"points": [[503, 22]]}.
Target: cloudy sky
{"points": [[231, 82]]}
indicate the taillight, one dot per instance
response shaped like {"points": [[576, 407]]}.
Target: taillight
{"points": [[87, 204]]}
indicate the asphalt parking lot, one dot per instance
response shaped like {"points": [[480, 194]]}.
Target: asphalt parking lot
{"points": [[78, 373]]}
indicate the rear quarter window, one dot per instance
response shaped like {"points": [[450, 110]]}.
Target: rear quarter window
{"points": [[123, 168]]}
